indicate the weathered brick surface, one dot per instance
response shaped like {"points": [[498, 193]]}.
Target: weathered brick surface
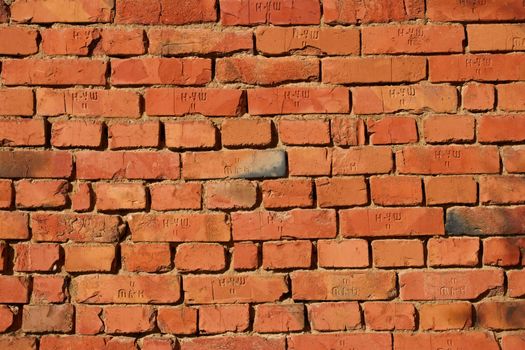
{"points": [[262, 174]]}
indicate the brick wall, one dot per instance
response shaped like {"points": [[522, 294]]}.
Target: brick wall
{"points": [[262, 174]]}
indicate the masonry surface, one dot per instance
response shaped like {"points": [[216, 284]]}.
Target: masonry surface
{"points": [[262, 174]]}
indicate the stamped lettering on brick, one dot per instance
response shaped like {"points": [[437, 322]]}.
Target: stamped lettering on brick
{"points": [[192, 99], [447, 156], [230, 285], [451, 288], [479, 65], [472, 3], [176, 222], [84, 100], [267, 7], [296, 96], [402, 95], [414, 36], [388, 218], [307, 36], [130, 293], [518, 43], [344, 289]]}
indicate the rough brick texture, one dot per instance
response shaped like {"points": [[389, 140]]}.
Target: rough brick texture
{"points": [[262, 174]]}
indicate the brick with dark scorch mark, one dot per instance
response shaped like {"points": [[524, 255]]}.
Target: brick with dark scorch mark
{"points": [[481, 221]]}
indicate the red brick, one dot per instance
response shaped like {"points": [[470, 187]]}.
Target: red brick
{"points": [[245, 256], [158, 343], [395, 39], [53, 342], [177, 320], [36, 257], [348, 131], [391, 222], [392, 130], [501, 315], [275, 318], [48, 318], [341, 191], [126, 289], [485, 221], [451, 190], [396, 190], [134, 135], [93, 165], [224, 318], [187, 227], [89, 258], [22, 132], [501, 190], [373, 69], [362, 160], [14, 290], [76, 133], [153, 70], [81, 197], [478, 97], [258, 70], [353, 12], [187, 134], [513, 341], [324, 285], [88, 320], [41, 194], [88, 103], [35, 164], [196, 257], [69, 41], [449, 128], [299, 100], [75, 11], [500, 251], [509, 97], [4, 13], [235, 343], [347, 253], [6, 318], [332, 341], [171, 41], [298, 223], [17, 102], [461, 340], [482, 67], [246, 132], [18, 41], [449, 285], [398, 253], [304, 132], [490, 10], [165, 11], [63, 227], [498, 128], [129, 319], [3, 256], [54, 72], [307, 41], [432, 160], [120, 196], [514, 159], [121, 42], [390, 316], [309, 161], [167, 196], [247, 288], [334, 316], [516, 283], [18, 342], [441, 317], [251, 12], [286, 255], [48, 289], [289, 193], [453, 251], [137, 257], [495, 37], [414, 98], [181, 101], [239, 194], [14, 225], [247, 164]]}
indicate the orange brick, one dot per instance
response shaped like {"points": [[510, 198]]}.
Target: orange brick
{"points": [[133, 135], [187, 134], [352, 12], [246, 132], [501, 190], [136, 257], [120, 196], [18, 41], [41, 194], [513, 341], [474, 340], [449, 128], [165, 11], [129, 319], [478, 97], [287, 254], [516, 283], [49, 289], [22, 132], [348, 131], [168, 196], [453, 251], [347, 253], [390, 316], [76, 133], [215, 319], [200, 257], [15, 289], [48, 318], [252, 12], [259, 70], [245, 256], [514, 159], [69, 41], [492, 314], [279, 318], [76, 11], [441, 317], [392, 130], [495, 37], [309, 161], [6, 194], [334, 316], [500, 251], [14, 225], [341, 191], [398, 253], [116, 42], [362, 160], [304, 132], [17, 102], [304, 40], [36, 257], [396, 190], [290, 193], [177, 320], [238, 194], [500, 128], [81, 197], [88, 320], [485, 220], [89, 258], [490, 10], [373, 69], [451, 190]]}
